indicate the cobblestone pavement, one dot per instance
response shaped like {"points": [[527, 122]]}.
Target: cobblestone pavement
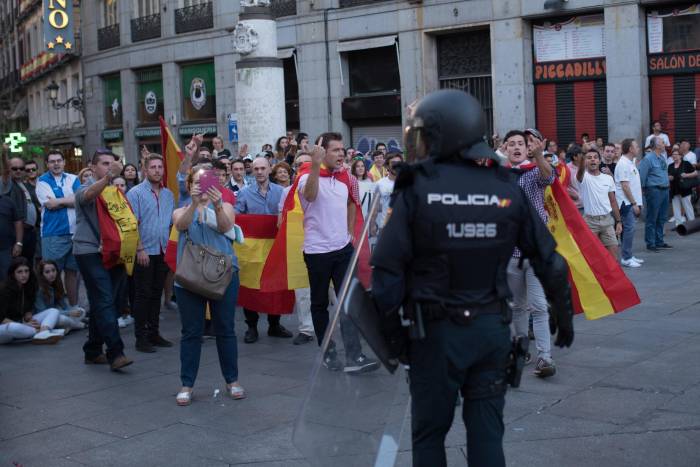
{"points": [[626, 394]]}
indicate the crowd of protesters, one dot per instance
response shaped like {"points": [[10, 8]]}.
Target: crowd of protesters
{"points": [[50, 238]]}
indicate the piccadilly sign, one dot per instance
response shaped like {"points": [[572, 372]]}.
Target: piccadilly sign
{"points": [[570, 70], [58, 26]]}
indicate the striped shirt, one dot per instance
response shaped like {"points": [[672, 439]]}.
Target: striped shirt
{"points": [[57, 222], [534, 185], [154, 213]]}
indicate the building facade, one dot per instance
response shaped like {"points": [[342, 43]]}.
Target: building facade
{"points": [[602, 67], [13, 105]]}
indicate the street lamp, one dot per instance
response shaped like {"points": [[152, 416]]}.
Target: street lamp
{"points": [[76, 101]]}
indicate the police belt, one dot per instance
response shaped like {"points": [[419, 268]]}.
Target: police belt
{"points": [[461, 314]]}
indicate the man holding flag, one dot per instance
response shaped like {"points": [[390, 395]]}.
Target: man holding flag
{"points": [[91, 248], [528, 294], [263, 197]]}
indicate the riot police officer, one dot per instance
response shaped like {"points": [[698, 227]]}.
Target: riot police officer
{"points": [[441, 263]]}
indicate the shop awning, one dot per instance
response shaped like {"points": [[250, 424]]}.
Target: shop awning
{"points": [[362, 44]]}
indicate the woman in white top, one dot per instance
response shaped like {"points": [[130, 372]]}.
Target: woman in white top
{"points": [[367, 186]]}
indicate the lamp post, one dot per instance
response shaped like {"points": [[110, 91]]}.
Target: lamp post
{"points": [[76, 101]]}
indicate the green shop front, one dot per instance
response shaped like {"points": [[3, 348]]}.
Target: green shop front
{"points": [[149, 107], [198, 101], [113, 133]]}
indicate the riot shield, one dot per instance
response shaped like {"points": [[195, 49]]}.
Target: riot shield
{"points": [[353, 418]]}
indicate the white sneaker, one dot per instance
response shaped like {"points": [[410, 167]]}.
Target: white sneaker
{"points": [[640, 261], [121, 322], [630, 263], [128, 319]]}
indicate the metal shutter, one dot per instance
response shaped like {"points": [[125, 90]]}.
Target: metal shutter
{"points": [[365, 138], [662, 104]]}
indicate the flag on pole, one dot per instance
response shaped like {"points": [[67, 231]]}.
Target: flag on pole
{"points": [[172, 157], [285, 268], [599, 285]]}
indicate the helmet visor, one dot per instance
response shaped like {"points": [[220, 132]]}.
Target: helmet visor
{"points": [[414, 142]]}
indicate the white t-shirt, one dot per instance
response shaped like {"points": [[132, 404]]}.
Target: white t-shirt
{"points": [[691, 157], [594, 194], [325, 219], [385, 187], [664, 136], [367, 188], [626, 171]]}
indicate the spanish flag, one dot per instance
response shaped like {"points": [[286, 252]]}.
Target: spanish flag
{"points": [[118, 229], [172, 156], [285, 268], [598, 283], [259, 231]]}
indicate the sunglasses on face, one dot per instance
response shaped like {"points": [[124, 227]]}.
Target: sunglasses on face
{"points": [[17, 169], [30, 170]]}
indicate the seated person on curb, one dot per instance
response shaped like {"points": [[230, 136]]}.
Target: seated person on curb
{"points": [[17, 317], [598, 196], [52, 295]]}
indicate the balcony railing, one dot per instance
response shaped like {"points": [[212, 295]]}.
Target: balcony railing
{"points": [[108, 37], [283, 8], [146, 27], [194, 18]]}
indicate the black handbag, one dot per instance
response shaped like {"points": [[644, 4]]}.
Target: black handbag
{"points": [[689, 183]]}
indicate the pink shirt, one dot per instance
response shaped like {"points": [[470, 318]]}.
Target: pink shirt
{"points": [[326, 219]]}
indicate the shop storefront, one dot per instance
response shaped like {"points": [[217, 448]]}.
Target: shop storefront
{"points": [[149, 106], [569, 77], [673, 38], [198, 101], [113, 134]]}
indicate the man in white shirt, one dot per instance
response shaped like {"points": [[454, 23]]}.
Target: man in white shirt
{"points": [[628, 191], [657, 133], [598, 196], [385, 187]]}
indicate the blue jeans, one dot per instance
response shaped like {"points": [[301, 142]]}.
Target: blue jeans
{"points": [[656, 200], [103, 288], [628, 222], [192, 310]]}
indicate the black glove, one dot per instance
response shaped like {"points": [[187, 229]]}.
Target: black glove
{"points": [[395, 335], [561, 321]]}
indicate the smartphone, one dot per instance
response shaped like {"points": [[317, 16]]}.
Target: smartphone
{"points": [[207, 180]]}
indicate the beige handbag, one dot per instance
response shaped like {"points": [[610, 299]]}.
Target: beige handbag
{"points": [[204, 270]]}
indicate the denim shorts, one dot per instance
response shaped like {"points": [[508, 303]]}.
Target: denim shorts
{"points": [[59, 249]]}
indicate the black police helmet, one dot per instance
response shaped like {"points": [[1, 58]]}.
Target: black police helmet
{"points": [[448, 123]]}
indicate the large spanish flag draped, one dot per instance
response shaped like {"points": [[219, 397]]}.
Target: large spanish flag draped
{"points": [[599, 285], [259, 231], [172, 156], [285, 268], [118, 229]]}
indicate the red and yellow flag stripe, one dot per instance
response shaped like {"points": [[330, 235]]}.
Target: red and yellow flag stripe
{"points": [[599, 285]]}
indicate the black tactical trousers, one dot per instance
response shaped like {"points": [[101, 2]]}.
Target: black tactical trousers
{"points": [[468, 358]]}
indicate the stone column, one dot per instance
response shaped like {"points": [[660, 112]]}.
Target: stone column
{"points": [[259, 77], [129, 115], [172, 97], [626, 72], [513, 91]]}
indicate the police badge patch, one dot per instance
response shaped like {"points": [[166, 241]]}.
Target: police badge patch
{"points": [[198, 93]]}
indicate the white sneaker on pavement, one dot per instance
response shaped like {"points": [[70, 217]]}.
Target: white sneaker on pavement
{"points": [[630, 263], [638, 260]]}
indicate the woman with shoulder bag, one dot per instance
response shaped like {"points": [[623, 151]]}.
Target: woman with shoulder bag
{"points": [[683, 178], [206, 273]]}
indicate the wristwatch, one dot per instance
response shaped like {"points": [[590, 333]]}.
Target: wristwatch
{"points": [[19, 244]]}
